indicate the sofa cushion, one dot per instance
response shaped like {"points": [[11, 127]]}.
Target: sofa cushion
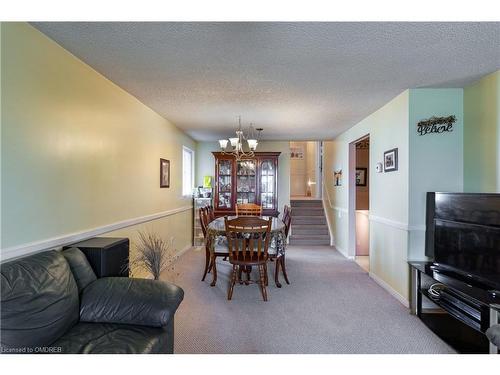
{"points": [[80, 267], [493, 334], [87, 338], [39, 300], [130, 301]]}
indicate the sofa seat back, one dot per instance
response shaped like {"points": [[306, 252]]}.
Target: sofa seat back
{"points": [[39, 301]]}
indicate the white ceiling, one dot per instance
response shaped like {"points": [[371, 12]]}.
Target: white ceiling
{"points": [[299, 81]]}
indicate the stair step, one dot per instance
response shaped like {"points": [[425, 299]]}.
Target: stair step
{"points": [[305, 203], [308, 236], [310, 242], [309, 211], [312, 220], [309, 229], [309, 225]]}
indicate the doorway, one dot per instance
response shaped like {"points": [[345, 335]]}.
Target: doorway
{"points": [[305, 170], [361, 172]]}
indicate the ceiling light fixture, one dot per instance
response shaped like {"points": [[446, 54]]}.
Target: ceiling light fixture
{"points": [[236, 143]]}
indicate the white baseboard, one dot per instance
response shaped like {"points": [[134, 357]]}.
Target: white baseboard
{"points": [[391, 291], [184, 250], [67, 239], [341, 251]]}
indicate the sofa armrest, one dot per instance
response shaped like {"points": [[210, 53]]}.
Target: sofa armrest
{"points": [[130, 301], [493, 334]]}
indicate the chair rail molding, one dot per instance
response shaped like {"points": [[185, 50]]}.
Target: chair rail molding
{"points": [[17, 251], [396, 224]]}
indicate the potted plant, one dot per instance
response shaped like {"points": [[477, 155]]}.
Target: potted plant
{"points": [[153, 254]]}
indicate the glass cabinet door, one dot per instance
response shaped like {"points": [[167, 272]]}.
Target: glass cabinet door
{"points": [[224, 184], [267, 184], [245, 181]]}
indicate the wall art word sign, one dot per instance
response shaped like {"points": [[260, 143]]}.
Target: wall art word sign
{"points": [[436, 125]]}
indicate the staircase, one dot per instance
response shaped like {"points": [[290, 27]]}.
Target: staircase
{"points": [[308, 223]]}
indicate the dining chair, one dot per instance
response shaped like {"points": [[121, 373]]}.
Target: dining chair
{"points": [[288, 222], [220, 249], [203, 215], [248, 209], [280, 258], [211, 214], [248, 244], [286, 212]]}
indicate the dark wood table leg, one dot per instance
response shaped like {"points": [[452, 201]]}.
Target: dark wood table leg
{"points": [[419, 295], [207, 264], [277, 272], [284, 269], [214, 271], [265, 274], [248, 270]]}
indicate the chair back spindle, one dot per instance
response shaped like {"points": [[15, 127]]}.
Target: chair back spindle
{"points": [[211, 214], [248, 239], [287, 219], [248, 209], [203, 214]]}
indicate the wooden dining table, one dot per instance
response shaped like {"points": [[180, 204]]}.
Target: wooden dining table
{"points": [[217, 242]]}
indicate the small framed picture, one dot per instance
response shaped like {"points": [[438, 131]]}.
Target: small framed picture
{"points": [[296, 153], [337, 177], [391, 160], [361, 176], [164, 173]]}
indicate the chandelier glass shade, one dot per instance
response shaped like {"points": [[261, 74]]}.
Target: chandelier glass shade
{"points": [[234, 145]]}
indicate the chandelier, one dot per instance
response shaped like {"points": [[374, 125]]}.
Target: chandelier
{"points": [[236, 143]]}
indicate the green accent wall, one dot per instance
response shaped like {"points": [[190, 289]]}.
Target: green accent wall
{"points": [[482, 135], [436, 160], [397, 199]]}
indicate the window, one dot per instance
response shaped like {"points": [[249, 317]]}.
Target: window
{"points": [[187, 171]]}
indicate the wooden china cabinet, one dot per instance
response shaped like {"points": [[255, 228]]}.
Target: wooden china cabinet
{"points": [[249, 180]]}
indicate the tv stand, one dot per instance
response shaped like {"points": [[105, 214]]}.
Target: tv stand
{"points": [[462, 312]]}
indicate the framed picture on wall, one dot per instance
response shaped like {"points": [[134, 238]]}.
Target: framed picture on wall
{"points": [[361, 176], [164, 173], [296, 153], [391, 160], [337, 177]]}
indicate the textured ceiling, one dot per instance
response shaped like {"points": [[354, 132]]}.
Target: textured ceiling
{"points": [[299, 81]]}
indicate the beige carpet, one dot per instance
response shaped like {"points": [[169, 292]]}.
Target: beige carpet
{"points": [[332, 306]]}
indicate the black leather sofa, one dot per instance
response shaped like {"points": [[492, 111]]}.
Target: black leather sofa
{"points": [[493, 334], [52, 302]]}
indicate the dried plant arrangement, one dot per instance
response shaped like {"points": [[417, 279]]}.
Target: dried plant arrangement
{"points": [[154, 255]]}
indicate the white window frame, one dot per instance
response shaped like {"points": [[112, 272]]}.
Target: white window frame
{"points": [[187, 192]]}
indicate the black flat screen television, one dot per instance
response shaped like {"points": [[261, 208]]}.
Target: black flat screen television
{"points": [[463, 235]]}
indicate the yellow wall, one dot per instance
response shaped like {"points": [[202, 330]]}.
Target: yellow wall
{"points": [[482, 135], [303, 170], [78, 152], [298, 171]]}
